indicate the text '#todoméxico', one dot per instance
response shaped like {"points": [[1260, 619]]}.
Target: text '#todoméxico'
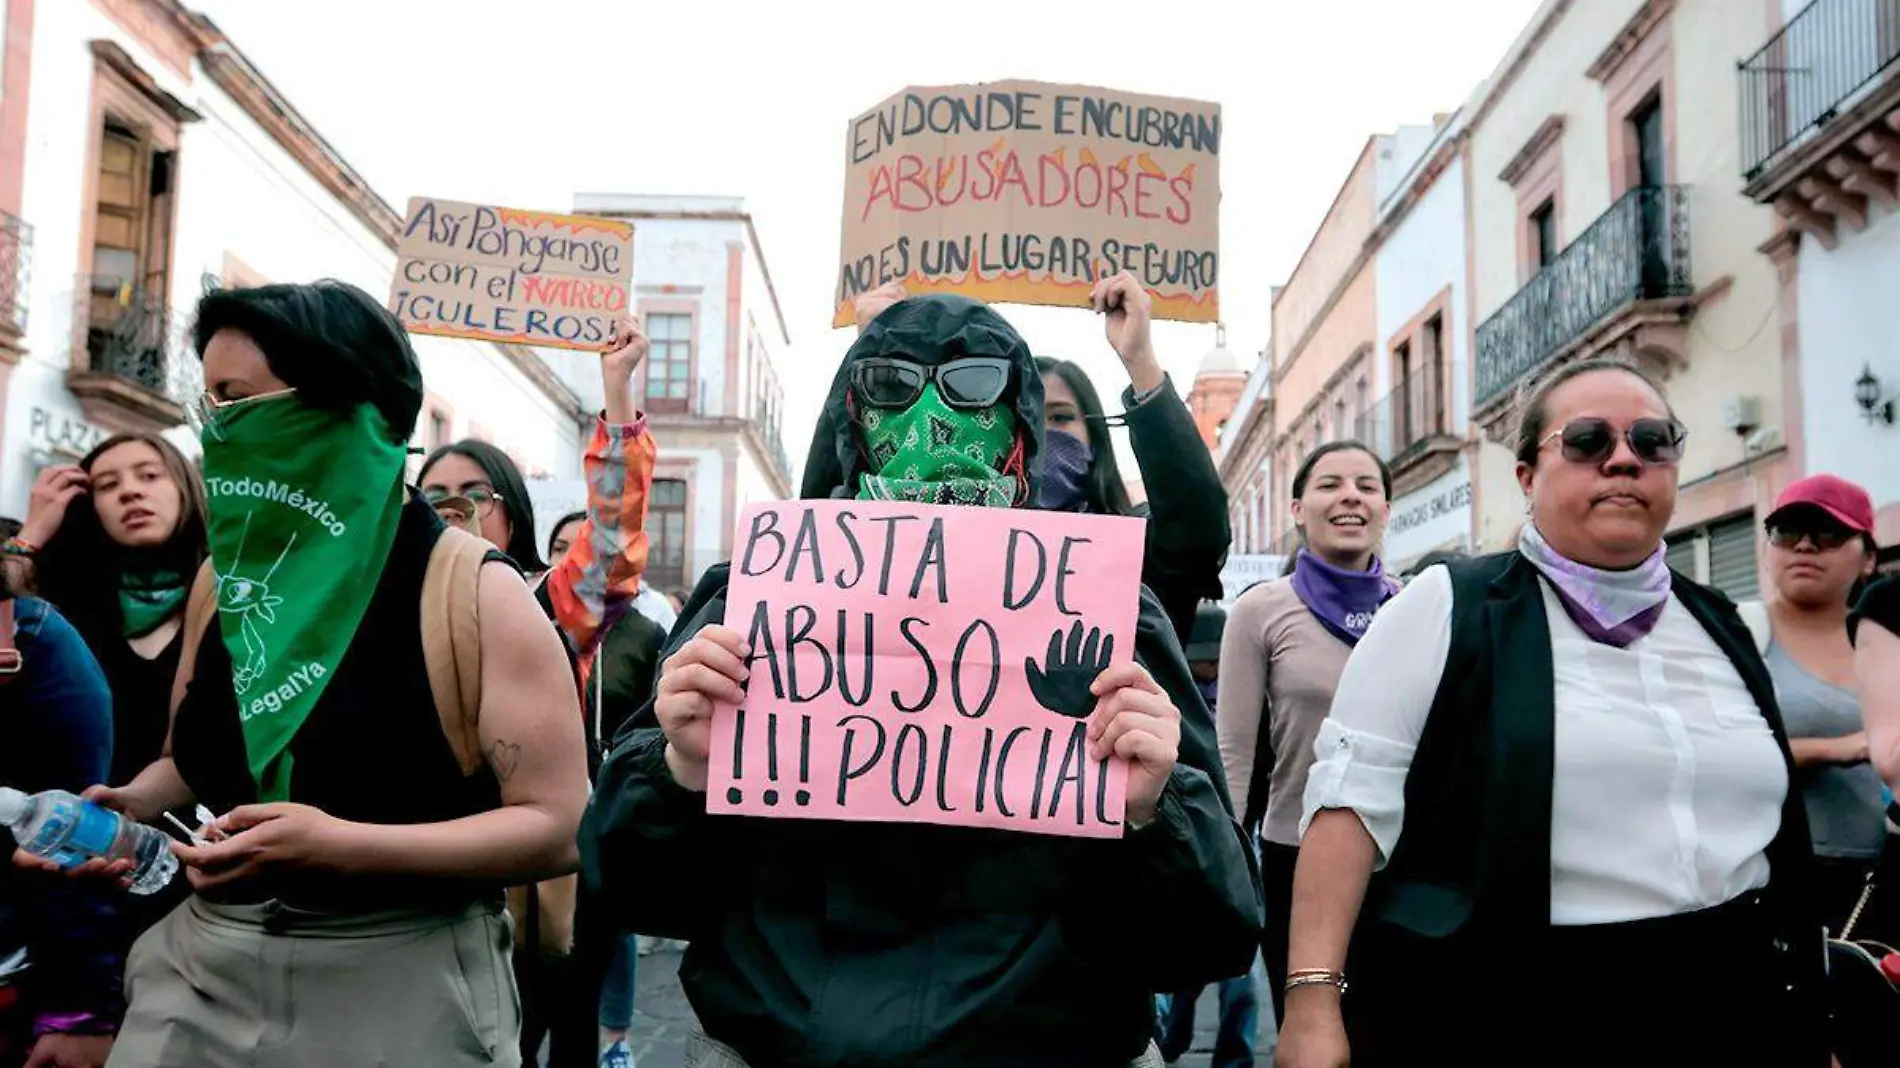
{"points": [[279, 493], [912, 663]]}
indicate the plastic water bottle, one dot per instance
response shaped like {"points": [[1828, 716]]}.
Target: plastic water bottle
{"points": [[69, 831]]}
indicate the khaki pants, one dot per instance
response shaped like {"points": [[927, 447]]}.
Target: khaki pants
{"points": [[221, 986], [703, 1052]]}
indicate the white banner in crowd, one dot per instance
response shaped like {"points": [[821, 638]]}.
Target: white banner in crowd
{"points": [[1244, 571]]}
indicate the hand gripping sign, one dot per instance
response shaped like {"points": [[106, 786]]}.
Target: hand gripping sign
{"points": [[914, 663]]}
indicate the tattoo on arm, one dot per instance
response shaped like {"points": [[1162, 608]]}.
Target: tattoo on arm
{"points": [[504, 757]]}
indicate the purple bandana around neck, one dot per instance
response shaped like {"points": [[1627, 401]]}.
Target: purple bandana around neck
{"points": [[1343, 600], [1612, 607]]}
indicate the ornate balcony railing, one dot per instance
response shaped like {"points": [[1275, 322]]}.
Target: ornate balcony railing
{"points": [[127, 335], [1637, 250], [16, 263], [1800, 79]]}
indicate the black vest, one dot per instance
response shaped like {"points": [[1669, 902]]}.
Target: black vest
{"points": [[1474, 858]]}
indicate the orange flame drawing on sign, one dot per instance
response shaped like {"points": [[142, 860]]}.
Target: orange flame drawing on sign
{"points": [[1016, 287]]}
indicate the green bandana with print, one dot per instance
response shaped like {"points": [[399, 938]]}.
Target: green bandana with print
{"points": [[931, 453]]}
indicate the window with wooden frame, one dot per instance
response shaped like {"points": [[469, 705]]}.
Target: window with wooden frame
{"points": [[670, 363]]}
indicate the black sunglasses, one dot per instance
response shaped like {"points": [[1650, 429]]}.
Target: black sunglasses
{"points": [[1592, 440], [969, 382], [1826, 536]]}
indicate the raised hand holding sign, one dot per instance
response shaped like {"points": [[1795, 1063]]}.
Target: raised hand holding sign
{"points": [[890, 671]]}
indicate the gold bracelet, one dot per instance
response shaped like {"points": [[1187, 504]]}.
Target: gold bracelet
{"points": [[1316, 977]]}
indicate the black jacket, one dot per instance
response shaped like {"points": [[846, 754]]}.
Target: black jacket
{"points": [[1188, 529], [842, 944], [56, 734]]}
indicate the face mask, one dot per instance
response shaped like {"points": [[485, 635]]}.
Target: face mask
{"points": [[1065, 472], [932, 453], [304, 505]]}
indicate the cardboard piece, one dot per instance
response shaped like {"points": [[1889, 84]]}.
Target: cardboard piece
{"points": [[1029, 192], [502, 274], [902, 659]]}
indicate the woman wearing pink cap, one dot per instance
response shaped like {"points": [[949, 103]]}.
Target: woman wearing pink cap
{"points": [[1820, 552]]}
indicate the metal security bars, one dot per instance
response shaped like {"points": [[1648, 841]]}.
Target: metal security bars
{"points": [[1809, 71], [1637, 250], [16, 262]]}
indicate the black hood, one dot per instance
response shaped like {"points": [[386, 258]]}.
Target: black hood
{"points": [[932, 330]]}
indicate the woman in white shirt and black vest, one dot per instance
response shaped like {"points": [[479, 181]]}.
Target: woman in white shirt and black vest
{"points": [[1601, 859]]}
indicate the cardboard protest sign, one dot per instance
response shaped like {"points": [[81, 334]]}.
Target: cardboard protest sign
{"points": [[915, 663], [1030, 192], [501, 274]]}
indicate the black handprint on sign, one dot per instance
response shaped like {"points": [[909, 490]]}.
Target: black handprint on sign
{"points": [[1062, 683]]}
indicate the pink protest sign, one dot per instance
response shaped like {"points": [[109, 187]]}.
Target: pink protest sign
{"points": [[914, 663]]}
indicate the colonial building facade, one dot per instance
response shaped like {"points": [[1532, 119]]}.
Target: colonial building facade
{"points": [[144, 159], [711, 388]]}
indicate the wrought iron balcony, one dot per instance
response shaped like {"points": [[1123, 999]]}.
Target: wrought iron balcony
{"points": [[16, 262], [127, 334], [1636, 251], [1811, 71]]}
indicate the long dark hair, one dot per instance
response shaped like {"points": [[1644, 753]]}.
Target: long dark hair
{"points": [[80, 568], [1305, 474], [505, 477], [1106, 492]]}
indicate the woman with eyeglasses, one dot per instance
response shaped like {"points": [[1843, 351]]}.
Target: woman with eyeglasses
{"points": [[1820, 552], [1552, 819], [598, 576], [348, 897]]}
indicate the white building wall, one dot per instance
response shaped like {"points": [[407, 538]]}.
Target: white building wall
{"points": [[1849, 321], [689, 257], [239, 194], [1423, 256]]}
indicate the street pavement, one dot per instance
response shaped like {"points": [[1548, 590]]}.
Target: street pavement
{"points": [[662, 1019]]}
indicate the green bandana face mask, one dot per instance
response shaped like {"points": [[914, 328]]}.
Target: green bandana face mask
{"points": [[148, 599], [304, 505], [932, 453]]}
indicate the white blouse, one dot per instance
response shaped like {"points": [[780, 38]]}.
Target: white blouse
{"points": [[1668, 784]]}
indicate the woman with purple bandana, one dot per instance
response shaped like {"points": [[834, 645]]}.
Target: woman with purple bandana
{"points": [[1281, 654], [1188, 531], [1601, 860]]}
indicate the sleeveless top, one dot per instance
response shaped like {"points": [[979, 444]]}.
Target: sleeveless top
{"points": [[1845, 814], [371, 751]]}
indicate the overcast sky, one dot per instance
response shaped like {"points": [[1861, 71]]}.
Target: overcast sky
{"points": [[525, 104]]}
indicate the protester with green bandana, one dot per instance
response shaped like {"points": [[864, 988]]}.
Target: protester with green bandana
{"points": [[354, 864], [926, 946]]}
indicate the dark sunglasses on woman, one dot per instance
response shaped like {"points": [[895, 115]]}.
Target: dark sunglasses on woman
{"points": [[968, 382], [1592, 440], [1827, 535]]}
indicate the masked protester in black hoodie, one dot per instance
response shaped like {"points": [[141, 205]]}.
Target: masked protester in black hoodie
{"points": [[842, 944]]}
